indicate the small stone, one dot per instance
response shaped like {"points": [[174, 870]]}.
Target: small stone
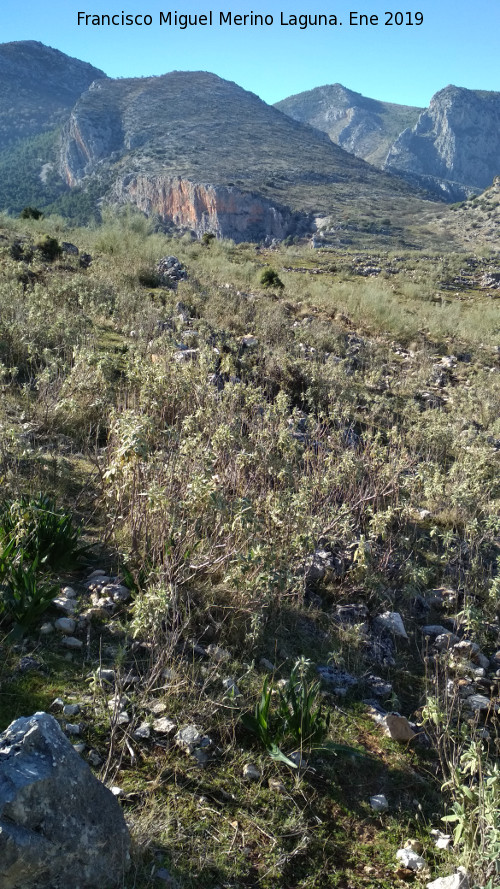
{"points": [[79, 748], [459, 880], [69, 606], [276, 785], [72, 728], [251, 772], [57, 704], [143, 732], [123, 718], [68, 592], [392, 622], [65, 625], [188, 738], [115, 790], [72, 642], [230, 686], [441, 840], [201, 756], [157, 708], [46, 629], [94, 759], [298, 759], [71, 709], [397, 727], [411, 859], [164, 726], [379, 803], [433, 630], [415, 845], [479, 703], [249, 341], [105, 675], [267, 665], [98, 573]]}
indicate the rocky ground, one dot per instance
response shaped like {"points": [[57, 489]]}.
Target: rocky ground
{"points": [[283, 488]]}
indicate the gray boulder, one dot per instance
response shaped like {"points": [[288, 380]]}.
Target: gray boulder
{"points": [[59, 826]]}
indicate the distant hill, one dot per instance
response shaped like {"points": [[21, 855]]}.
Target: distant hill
{"points": [[365, 127], [38, 88], [454, 148], [194, 148]]}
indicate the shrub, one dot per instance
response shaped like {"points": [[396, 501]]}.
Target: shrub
{"points": [[270, 278], [31, 213], [49, 248]]}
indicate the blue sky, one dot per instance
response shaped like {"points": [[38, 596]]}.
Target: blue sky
{"points": [[457, 43]]}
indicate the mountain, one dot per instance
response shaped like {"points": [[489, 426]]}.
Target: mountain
{"points": [[38, 88], [454, 148], [365, 127], [204, 153]]}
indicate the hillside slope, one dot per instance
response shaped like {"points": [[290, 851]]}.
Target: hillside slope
{"points": [[454, 149], [38, 87], [202, 152], [365, 127]]}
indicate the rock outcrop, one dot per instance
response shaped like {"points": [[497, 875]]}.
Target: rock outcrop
{"points": [[59, 826], [454, 149], [363, 126], [226, 211], [207, 155]]}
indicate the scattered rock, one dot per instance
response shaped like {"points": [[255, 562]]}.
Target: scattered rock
{"points": [[459, 880], [397, 727], [392, 622], [50, 838], [231, 688], [379, 803], [220, 655], [72, 642], [70, 249], [411, 859], [249, 341], [188, 738], [65, 625], [46, 629], [340, 680], [72, 728], [68, 605], [71, 709], [251, 772], [441, 840], [142, 732], [267, 665], [170, 271], [164, 726]]}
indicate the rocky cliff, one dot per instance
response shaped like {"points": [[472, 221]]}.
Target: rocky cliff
{"points": [[455, 146], [205, 154], [38, 88], [223, 210], [365, 127]]}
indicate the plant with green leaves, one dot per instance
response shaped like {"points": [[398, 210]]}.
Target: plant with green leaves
{"points": [[24, 597], [301, 711], [43, 532], [260, 725]]}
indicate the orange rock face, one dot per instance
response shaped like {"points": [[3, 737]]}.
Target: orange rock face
{"points": [[224, 210]]}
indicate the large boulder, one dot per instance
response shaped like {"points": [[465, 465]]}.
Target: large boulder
{"points": [[59, 826]]}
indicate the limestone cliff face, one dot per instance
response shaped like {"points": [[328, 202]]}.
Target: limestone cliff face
{"points": [[455, 146], [224, 210], [364, 127]]}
